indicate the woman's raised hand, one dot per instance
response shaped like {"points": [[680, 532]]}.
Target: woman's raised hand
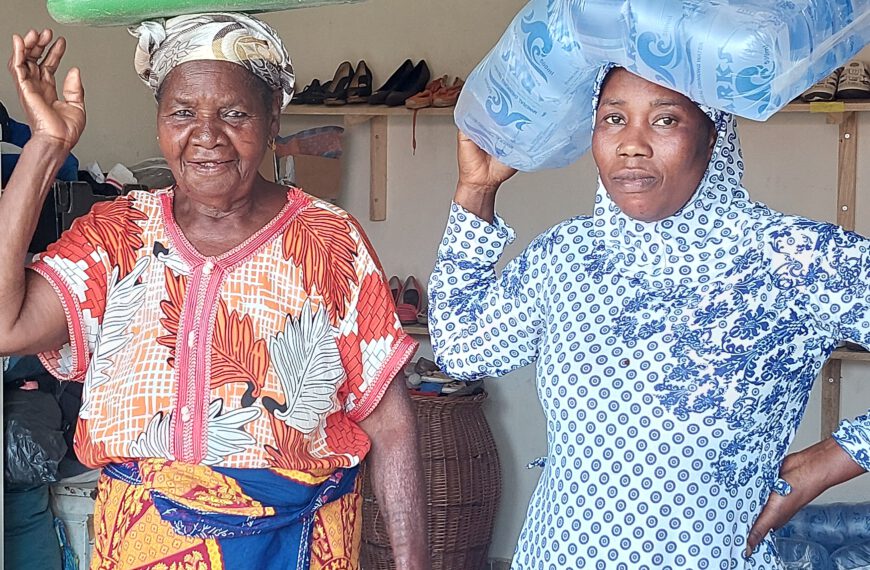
{"points": [[33, 64], [477, 169]]}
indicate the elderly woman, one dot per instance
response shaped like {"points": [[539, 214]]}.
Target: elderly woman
{"points": [[237, 340], [676, 334]]}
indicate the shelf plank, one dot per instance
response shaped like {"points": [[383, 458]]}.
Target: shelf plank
{"points": [[365, 110], [847, 354], [416, 330], [828, 107]]}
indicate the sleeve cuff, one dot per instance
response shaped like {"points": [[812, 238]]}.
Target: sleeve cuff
{"points": [[469, 234], [854, 438], [71, 361], [401, 354]]}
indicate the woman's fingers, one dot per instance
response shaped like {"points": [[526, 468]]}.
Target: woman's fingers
{"points": [[54, 55], [73, 90], [17, 59]]}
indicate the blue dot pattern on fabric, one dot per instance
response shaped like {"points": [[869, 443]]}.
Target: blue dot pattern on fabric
{"points": [[674, 361]]}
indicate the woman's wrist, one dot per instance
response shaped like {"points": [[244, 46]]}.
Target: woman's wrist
{"points": [[479, 200], [49, 147]]}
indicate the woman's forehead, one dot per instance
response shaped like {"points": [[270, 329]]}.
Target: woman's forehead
{"points": [[205, 75], [210, 80], [620, 86]]}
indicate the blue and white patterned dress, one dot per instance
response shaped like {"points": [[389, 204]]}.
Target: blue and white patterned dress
{"points": [[674, 362]]}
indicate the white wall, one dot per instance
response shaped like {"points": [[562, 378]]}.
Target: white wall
{"points": [[791, 165]]}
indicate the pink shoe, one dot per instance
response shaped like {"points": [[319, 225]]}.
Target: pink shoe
{"points": [[395, 288]]}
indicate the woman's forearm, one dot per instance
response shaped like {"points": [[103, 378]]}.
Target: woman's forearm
{"points": [[20, 205], [397, 477], [397, 481]]}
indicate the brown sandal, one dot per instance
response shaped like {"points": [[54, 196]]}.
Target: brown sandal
{"points": [[424, 98], [448, 96]]}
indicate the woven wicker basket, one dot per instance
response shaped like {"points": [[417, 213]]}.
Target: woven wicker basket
{"points": [[463, 486]]}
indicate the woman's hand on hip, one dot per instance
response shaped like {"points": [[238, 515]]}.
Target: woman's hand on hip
{"points": [[478, 170], [33, 64], [808, 473]]}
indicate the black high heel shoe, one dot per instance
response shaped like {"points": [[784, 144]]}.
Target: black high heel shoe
{"points": [[379, 97], [412, 84], [304, 97], [360, 88], [337, 92]]}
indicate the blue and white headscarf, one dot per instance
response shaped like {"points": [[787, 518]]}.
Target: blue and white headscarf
{"points": [[699, 241]]}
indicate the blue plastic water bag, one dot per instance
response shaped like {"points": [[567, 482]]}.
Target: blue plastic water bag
{"points": [[528, 102]]}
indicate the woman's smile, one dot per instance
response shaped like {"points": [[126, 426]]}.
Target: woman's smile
{"points": [[209, 167]]}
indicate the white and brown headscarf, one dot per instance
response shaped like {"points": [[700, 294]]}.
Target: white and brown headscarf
{"points": [[222, 36]]}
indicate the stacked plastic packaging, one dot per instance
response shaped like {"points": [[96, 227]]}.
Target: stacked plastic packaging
{"points": [[528, 102]]}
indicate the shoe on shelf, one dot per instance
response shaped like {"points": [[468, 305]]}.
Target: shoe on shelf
{"points": [[317, 96], [448, 96], [379, 97], [425, 97], [854, 81], [411, 84], [395, 286], [304, 97], [410, 303], [360, 88], [423, 316], [823, 90], [337, 92]]}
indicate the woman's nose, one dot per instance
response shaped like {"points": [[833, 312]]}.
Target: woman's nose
{"points": [[206, 132], [633, 143]]}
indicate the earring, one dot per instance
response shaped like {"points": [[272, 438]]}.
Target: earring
{"points": [[272, 144]]}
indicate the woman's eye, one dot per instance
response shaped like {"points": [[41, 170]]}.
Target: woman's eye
{"points": [[665, 121], [182, 113], [235, 114], [613, 120]]}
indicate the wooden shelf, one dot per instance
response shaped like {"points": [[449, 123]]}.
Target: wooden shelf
{"points": [[420, 330], [856, 105], [363, 110], [377, 115], [849, 354]]}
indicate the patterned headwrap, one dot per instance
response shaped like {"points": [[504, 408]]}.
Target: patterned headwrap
{"points": [[220, 36]]}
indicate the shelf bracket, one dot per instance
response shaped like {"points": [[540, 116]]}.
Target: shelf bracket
{"points": [[831, 376], [378, 162], [847, 171], [378, 187], [847, 176]]}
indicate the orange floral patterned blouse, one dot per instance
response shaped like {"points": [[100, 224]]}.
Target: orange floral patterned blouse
{"points": [[265, 356]]}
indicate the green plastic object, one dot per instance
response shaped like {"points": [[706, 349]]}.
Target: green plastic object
{"points": [[129, 12]]}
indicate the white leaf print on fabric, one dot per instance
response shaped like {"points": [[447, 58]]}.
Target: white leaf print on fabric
{"points": [[226, 433], [123, 300], [154, 441], [172, 260], [308, 365]]}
